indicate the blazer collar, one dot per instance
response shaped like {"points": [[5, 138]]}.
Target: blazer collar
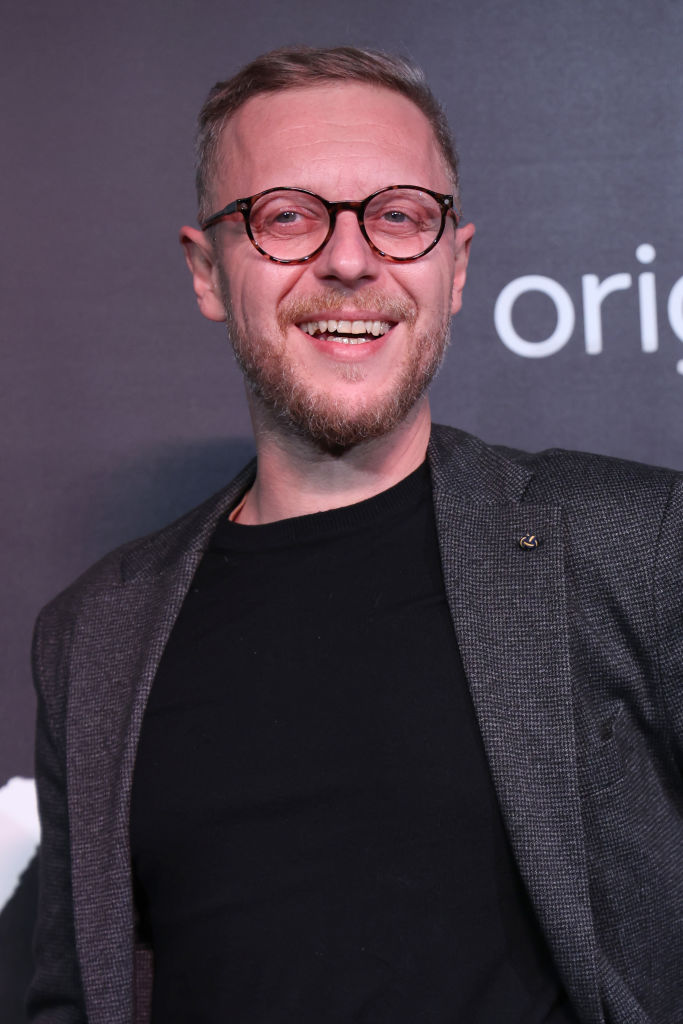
{"points": [[471, 470], [179, 547]]}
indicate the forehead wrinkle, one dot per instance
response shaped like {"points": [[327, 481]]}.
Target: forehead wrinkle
{"points": [[291, 139]]}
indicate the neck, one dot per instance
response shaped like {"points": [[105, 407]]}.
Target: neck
{"points": [[295, 478]]}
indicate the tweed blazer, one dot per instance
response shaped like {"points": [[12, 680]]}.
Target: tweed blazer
{"points": [[574, 655]]}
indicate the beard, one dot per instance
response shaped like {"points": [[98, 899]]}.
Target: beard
{"points": [[311, 413]]}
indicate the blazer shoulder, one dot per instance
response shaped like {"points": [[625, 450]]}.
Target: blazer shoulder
{"points": [[582, 478], [573, 479]]}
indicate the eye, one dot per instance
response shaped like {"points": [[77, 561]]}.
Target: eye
{"points": [[281, 214], [396, 216], [402, 213], [286, 217], [275, 215], [399, 218]]}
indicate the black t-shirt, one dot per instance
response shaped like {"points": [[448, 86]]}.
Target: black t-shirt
{"points": [[315, 834]]}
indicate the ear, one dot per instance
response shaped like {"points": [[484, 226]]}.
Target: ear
{"points": [[463, 239], [201, 260]]}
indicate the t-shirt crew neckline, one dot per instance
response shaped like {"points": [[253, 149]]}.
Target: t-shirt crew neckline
{"points": [[336, 521]]}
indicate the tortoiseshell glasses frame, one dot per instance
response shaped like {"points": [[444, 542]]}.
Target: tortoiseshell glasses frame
{"points": [[445, 203]]}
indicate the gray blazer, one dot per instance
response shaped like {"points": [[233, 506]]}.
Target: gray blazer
{"points": [[574, 655]]}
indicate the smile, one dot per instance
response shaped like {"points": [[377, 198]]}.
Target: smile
{"points": [[347, 332]]}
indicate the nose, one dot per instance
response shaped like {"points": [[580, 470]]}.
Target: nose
{"points": [[347, 257]]}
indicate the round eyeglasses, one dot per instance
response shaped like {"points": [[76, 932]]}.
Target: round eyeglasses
{"points": [[292, 225]]}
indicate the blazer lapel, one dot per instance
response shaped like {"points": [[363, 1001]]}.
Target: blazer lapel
{"points": [[509, 610], [120, 638]]}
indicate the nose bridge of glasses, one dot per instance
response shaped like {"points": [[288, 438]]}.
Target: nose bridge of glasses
{"points": [[357, 206], [352, 206]]}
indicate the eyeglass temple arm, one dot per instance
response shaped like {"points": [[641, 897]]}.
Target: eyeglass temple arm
{"points": [[238, 206]]}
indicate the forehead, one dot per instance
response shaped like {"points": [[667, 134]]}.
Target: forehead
{"points": [[343, 140]]}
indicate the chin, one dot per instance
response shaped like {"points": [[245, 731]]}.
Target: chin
{"points": [[331, 425]]}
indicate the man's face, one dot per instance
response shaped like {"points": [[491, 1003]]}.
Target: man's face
{"points": [[342, 141]]}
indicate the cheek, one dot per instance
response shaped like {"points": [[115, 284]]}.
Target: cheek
{"points": [[431, 291], [256, 288], [429, 280]]}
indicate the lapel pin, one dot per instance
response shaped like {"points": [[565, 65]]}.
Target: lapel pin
{"points": [[529, 541]]}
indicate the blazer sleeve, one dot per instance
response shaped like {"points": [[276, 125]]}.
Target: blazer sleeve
{"points": [[55, 995]]}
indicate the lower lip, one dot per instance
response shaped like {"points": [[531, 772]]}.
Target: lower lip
{"points": [[347, 351]]}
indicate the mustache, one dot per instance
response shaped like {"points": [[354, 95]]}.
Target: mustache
{"points": [[331, 300]]}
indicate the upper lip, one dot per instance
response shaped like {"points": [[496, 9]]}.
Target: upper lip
{"points": [[344, 315]]}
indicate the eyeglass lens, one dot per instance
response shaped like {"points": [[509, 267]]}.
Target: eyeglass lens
{"points": [[291, 225]]}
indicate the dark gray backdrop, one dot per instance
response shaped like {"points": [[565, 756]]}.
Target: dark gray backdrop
{"points": [[122, 407]]}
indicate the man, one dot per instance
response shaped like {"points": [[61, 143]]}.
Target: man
{"points": [[389, 730]]}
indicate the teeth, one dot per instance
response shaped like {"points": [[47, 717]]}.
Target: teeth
{"points": [[374, 328]]}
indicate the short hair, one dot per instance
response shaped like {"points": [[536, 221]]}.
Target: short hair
{"points": [[296, 67]]}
